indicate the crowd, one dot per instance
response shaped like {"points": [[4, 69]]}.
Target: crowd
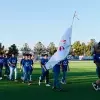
{"points": [[10, 65]]}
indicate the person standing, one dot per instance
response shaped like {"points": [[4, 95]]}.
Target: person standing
{"points": [[45, 72]]}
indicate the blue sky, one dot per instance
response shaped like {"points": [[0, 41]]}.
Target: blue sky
{"points": [[46, 20]]}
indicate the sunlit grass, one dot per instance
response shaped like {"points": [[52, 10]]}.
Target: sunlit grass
{"points": [[78, 87]]}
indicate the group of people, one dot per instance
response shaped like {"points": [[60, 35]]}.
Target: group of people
{"points": [[10, 64], [63, 65], [26, 63]]}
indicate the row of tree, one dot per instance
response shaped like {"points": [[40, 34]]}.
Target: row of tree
{"points": [[77, 48]]}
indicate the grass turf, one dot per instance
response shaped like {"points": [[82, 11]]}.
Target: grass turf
{"points": [[79, 87]]}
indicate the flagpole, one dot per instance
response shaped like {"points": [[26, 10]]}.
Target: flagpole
{"points": [[73, 18]]}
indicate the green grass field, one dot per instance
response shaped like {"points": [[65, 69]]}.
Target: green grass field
{"points": [[78, 87]]}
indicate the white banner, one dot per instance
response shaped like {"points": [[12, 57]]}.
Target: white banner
{"points": [[62, 51]]}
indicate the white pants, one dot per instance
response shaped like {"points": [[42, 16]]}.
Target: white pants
{"points": [[13, 70]]}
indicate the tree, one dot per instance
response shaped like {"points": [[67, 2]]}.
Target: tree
{"points": [[13, 50], [83, 49], [2, 48], [25, 48], [90, 47], [77, 48], [71, 52], [51, 48], [39, 48], [93, 44]]}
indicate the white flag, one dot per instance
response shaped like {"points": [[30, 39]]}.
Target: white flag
{"points": [[62, 51]]}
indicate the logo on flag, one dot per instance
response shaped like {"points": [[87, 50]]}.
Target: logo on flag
{"points": [[63, 41], [61, 48]]}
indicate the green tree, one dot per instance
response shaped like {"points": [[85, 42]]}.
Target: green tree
{"points": [[90, 47], [25, 48], [83, 49], [77, 48], [2, 48], [51, 48], [13, 50], [39, 48]]}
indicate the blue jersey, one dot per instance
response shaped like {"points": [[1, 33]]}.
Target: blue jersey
{"points": [[43, 62], [1, 61], [26, 63], [64, 64], [13, 61], [6, 61], [56, 68], [97, 58]]}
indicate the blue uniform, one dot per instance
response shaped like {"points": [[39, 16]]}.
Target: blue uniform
{"points": [[6, 62], [1, 61], [1, 65], [21, 63], [56, 70], [13, 61], [26, 64], [12, 65], [97, 58], [43, 62], [97, 62], [64, 64], [7, 70], [45, 73]]}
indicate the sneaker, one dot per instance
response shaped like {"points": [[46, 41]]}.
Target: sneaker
{"points": [[95, 86], [5, 75], [29, 83], [39, 81], [62, 82], [48, 85], [0, 78]]}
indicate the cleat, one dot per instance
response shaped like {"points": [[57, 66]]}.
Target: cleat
{"points": [[0, 78], [48, 85], [5, 75], [39, 81], [29, 83], [62, 82], [95, 86]]}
